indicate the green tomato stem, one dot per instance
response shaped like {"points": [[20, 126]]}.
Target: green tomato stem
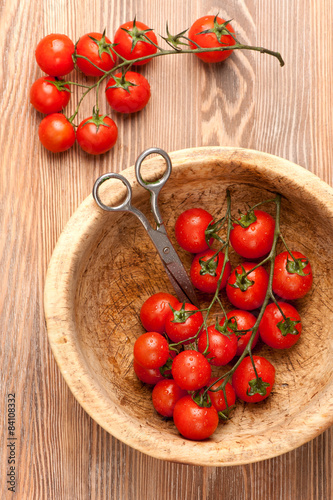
{"points": [[78, 84], [126, 64], [269, 294]]}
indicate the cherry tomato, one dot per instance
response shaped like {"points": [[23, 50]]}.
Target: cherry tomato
{"points": [[217, 397], [216, 35], [54, 55], [97, 135], [56, 133], [256, 239], [247, 387], [241, 320], [181, 323], [165, 395], [127, 94], [292, 279], [147, 375], [155, 309], [191, 370], [48, 98], [97, 48], [190, 229], [131, 41], [278, 332], [194, 421], [221, 349], [151, 350], [247, 292], [205, 271]]}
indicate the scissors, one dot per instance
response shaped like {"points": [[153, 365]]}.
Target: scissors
{"points": [[169, 257]]}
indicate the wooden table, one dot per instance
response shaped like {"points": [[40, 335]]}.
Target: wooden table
{"points": [[248, 101]]}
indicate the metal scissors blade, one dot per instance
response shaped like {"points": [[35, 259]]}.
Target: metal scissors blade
{"points": [[169, 257], [173, 266]]}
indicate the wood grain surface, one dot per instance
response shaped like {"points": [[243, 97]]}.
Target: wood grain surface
{"points": [[248, 101]]}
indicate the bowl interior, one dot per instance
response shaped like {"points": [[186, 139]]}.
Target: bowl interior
{"points": [[118, 268]]}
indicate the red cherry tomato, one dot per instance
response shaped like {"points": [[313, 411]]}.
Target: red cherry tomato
{"points": [[155, 309], [205, 271], [190, 229], [247, 292], [278, 332], [292, 280], [242, 320], [151, 350], [46, 97], [193, 421], [147, 375], [56, 133], [256, 239], [127, 94], [54, 55], [165, 395], [214, 38], [221, 349], [191, 370], [181, 324], [97, 135], [97, 48], [247, 387], [131, 41], [217, 397]]}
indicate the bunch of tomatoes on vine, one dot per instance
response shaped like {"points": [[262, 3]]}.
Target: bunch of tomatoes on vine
{"points": [[134, 44], [184, 349]]}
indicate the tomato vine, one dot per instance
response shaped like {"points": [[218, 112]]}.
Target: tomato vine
{"points": [[210, 38], [196, 345], [176, 42]]}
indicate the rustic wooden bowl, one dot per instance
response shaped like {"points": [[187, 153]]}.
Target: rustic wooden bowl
{"points": [[104, 267]]}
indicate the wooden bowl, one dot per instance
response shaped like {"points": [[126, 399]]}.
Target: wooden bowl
{"points": [[104, 266]]}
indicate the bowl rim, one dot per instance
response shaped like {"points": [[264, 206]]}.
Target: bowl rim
{"points": [[59, 291]]}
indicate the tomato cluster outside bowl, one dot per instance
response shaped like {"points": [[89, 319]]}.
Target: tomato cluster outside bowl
{"points": [[104, 267]]}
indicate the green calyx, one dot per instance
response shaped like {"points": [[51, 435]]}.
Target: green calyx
{"points": [[202, 399], [257, 386], [212, 230], [121, 83], [59, 84], [225, 328], [288, 326], [296, 266], [174, 40], [230, 326], [242, 281], [209, 266], [182, 315], [247, 219], [138, 35], [103, 45], [166, 368], [220, 30], [97, 119]]}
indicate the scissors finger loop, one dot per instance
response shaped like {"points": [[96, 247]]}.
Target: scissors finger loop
{"points": [[156, 185], [125, 205]]}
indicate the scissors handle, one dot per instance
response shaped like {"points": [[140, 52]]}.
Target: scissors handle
{"points": [[154, 187], [172, 263], [122, 206], [126, 205]]}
